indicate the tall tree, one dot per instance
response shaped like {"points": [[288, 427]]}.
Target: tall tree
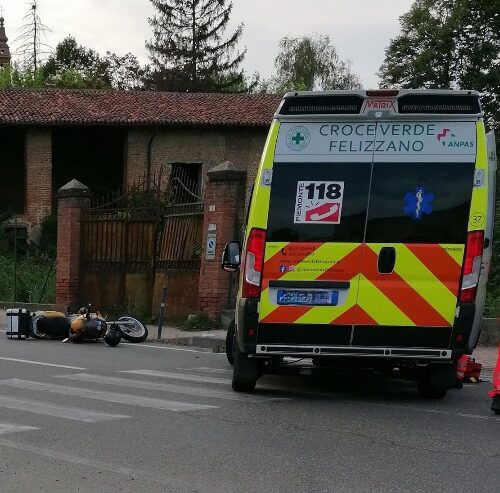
{"points": [[32, 47], [125, 72], [308, 63], [74, 65], [70, 56], [189, 50], [448, 44], [452, 44]]}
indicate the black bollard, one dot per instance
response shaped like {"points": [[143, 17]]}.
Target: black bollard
{"points": [[162, 311]]}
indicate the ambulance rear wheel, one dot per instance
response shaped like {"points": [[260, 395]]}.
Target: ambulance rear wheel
{"points": [[429, 391], [246, 371], [435, 380], [230, 343], [495, 405]]}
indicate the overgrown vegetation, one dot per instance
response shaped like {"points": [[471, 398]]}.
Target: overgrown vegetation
{"points": [[492, 308], [27, 273], [308, 63], [198, 322], [453, 44]]}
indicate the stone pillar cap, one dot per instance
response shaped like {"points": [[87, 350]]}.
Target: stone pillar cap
{"points": [[74, 189], [226, 171]]}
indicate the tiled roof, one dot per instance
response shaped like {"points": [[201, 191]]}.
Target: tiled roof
{"points": [[94, 107]]}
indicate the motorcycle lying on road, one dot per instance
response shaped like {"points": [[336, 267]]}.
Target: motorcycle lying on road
{"points": [[86, 325]]}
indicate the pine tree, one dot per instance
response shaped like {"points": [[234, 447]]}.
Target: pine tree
{"points": [[189, 51]]}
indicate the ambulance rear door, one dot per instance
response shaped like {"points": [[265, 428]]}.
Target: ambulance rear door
{"points": [[315, 230], [417, 225]]}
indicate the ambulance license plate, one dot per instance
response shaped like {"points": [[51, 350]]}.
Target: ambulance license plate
{"points": [[314, 298]]}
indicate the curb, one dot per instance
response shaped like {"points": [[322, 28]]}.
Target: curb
{"points": [[216, 344], [205, 339]]}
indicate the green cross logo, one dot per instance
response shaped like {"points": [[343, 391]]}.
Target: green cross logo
{"points": [[298, 138]]}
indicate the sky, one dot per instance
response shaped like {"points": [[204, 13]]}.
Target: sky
{"points": [[360, 30]]}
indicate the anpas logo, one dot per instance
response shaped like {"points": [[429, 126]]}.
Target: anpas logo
{"points": [[298, 138], [448, 139]]}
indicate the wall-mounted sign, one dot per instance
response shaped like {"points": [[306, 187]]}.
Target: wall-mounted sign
{"points": [[211, 245]]}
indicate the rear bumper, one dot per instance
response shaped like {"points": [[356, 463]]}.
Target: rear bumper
{"points": [[309, 340], [353, 351]]}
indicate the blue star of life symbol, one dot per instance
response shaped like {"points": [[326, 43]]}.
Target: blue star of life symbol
{"points": [[418, 203]]}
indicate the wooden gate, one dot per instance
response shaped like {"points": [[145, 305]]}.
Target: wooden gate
{"points": [[130, 252]]}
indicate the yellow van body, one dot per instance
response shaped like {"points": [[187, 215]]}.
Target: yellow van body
{"points": [[369, 230]]}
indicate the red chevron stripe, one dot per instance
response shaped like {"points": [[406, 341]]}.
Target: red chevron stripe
{"points": [[355, 315], [346, 268], [409, 301], [362, 318], [286, 314], [402, 294], [272, 266], [347, 318], [440, 263]]}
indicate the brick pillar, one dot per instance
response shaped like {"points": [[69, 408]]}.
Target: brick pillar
{"points": [[73, 199], [38, 162], [224, 203]]}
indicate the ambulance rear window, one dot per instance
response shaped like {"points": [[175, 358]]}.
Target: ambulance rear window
{"points": [[318, 202], [420, 203]]}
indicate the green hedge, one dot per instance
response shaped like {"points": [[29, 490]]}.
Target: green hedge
{"points": [[32, 272], [33, 264]]}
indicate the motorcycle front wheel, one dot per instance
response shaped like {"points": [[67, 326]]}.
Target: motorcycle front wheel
{"points": [[132, 330]]}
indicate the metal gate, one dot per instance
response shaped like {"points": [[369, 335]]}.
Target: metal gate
{"points": [[139, 240]]}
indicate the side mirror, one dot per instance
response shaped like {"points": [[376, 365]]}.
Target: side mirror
{"points": [[231, 258]]}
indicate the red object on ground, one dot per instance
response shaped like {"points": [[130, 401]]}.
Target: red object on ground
{"points": [[473, 370], [462, 366], [496, 378]]}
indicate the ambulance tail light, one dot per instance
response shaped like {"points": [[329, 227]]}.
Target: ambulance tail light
{"points": [[382, 93], [472, 266], [254, 263]]}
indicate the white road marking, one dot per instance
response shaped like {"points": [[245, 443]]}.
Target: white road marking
{"points": [[178, 376], [438, 411], [38, 407], [11, 428], [205, 369], [165, 387], [169, 348], [145, 476], [40, 363], [131, 400]]}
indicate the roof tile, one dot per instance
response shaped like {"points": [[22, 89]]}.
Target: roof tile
{"points": [[94, 107]]}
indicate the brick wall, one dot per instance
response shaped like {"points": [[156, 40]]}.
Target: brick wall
{"points": [[38, 165], [209, 146], [72, 204], [244, 147], [225, 192]]}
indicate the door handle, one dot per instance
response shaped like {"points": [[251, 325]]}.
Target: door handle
{"points": [[386, 260]]}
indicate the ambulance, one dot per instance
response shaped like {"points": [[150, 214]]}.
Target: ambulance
{"points": [[369, 236]]}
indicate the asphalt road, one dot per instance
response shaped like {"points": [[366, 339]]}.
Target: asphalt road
{"points": [[149, 418]]}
